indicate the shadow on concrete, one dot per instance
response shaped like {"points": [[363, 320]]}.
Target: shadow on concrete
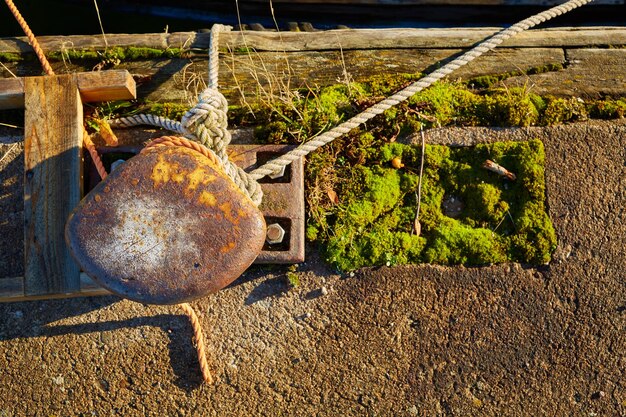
{"points": [[33, 319]]}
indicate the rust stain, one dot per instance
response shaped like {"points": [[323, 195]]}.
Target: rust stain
{"points": [[228, 247], [198, 176], [165, 171], [226, 209], [207, 199]]}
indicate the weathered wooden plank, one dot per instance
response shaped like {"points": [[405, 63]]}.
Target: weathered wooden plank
{"points": [[93, 86], [418, 38], [180, 80], [333, 39], [59, 43], [11, 206], [12, 290], [11, 93], [52, 181], [590, 73]]}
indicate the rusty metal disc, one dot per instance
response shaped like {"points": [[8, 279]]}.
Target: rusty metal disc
{"points": [[168, 226]]}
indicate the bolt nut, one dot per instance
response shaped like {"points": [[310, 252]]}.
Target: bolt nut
{"points": [[278, 173], [275, 234]]}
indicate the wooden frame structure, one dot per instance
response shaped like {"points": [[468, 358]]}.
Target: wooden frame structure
{"points": [[54, 182], [53, 166]]}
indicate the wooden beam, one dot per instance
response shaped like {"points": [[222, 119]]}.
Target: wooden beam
{"points": [[106, 86], [438, 38], [12, 290], [52, 181], [346, 39], [93, 86], [11, 93]]}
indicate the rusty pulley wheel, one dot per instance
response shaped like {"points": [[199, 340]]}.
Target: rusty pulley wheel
{"points": [[167, 226]]}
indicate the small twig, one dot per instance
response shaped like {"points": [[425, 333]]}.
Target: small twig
{"points": [[104, 36], [8, 70], [511, 217], [417, 227], [499, 169], [500, 222], [11, 126]]}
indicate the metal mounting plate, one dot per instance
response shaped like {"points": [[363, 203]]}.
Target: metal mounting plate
{"points": [[283, 197]]}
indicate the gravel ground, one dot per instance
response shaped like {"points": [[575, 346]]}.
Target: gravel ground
{"points": [[505, 340]]}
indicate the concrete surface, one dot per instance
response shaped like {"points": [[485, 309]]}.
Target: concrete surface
{"points": [[505, 340]]}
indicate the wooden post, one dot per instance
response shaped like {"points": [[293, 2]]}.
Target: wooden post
{"points": [[52, 181], [53, 166]]}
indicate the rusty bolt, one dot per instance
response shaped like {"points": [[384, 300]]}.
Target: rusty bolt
{"points": [[278, 173], [275, 234]]}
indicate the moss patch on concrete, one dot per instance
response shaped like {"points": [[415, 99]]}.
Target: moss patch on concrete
{"points": [[499, 219]]}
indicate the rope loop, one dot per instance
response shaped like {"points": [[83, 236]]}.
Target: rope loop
{"points": [[207, 123]]}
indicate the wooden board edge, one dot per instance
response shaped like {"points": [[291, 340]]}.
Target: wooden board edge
{"points": [[11, 93], [106, 86], [430, 38], [87, 289], [94, 86]]}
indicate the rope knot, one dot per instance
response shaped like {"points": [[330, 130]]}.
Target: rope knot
{"points": [[207, 122]]}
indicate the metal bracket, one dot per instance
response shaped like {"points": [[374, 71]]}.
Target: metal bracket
{"points": [[283, 196]]}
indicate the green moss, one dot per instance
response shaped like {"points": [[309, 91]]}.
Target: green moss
{"points": [[456, 243], [485, 202], [10, 57], [501, 220], [489, 81], [173, 111], [131, 53], [512, 107], [607, 109], [273, 132], [312, 232], [562, 110], [243, 50], [313, 111], [293, 280]]}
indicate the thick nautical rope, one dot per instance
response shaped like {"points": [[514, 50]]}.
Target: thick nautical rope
{"points": [[305, 148], [150, 120], [206, 123], [198, 338], [31, 37]]}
